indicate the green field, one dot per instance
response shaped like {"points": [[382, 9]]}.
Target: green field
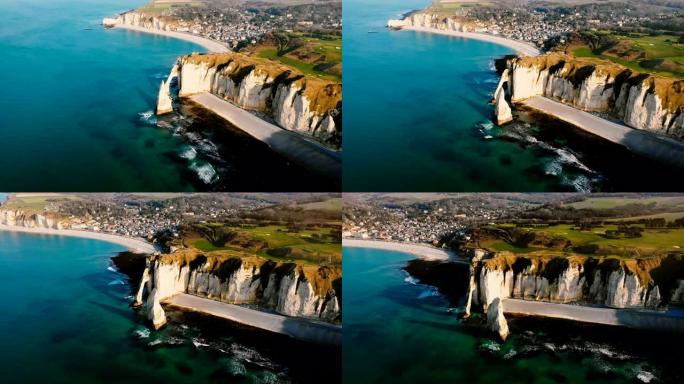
{"points": [[329, 49], [447, 7], [670, 202], [34, 203], [158, 7], [662, 55], [308, 245], [652, 241], [334, 204]]}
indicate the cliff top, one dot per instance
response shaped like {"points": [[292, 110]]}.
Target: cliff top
{"points": [[663, 270], [606, 240], [302, 244], [670, 91], [223, 263], [324, 95]]}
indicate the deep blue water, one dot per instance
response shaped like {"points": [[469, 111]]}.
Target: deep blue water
{"points": [[418, 118], [399, 331]]}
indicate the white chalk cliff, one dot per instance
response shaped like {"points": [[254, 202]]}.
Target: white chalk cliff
{"points": [[640, 100], [138, 19], [20, 218], [607, 282], [428, 20], [293, 101], [284, 288]]}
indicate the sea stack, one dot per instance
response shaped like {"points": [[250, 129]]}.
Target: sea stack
{"points": [[155, 312], [502, 110], [164, 99], [496, 320]]}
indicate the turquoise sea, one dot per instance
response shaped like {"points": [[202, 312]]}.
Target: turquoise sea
{"points": [[397, 330], [66, 318], [417, 118], [76, 110]]}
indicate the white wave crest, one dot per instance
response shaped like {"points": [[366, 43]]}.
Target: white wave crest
{"points": [[205, 172], [189, 153]]}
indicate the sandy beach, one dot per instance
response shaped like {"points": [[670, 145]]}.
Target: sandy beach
{"points": [[133, 244], [521, 47], [209, 45], [419, 250]]}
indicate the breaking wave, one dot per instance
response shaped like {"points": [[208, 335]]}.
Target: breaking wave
{"points": [[148, 117], [188, 152], [205, 172], [429, 292]]}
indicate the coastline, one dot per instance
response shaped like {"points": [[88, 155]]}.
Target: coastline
{"points": [[209, 45], [421, 251], [133, 244], [518, 46]]}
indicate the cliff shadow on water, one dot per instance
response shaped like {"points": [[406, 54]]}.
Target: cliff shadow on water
{"points": [[240, 161], [602, 165]]}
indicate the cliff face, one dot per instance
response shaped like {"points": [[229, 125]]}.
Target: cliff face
{"points": [[138, 19], [294, 101], [428, 20], [647, 283], [302, 291], [31, 220], [641, 100]]}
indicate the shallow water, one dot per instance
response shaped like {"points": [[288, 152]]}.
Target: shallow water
{"points": [[399, 331], [66, 319]]}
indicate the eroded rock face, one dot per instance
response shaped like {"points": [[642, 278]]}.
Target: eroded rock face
{"points": [[285, 288], [295, 102], [31, 220], [641, 100], [138, 19], [428, 20], [496, 320], [608, 282]]}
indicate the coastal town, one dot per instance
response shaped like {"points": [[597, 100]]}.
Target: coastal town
{"points": [[130, 215], [424, 218], [239, 24], [543, 23]]}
